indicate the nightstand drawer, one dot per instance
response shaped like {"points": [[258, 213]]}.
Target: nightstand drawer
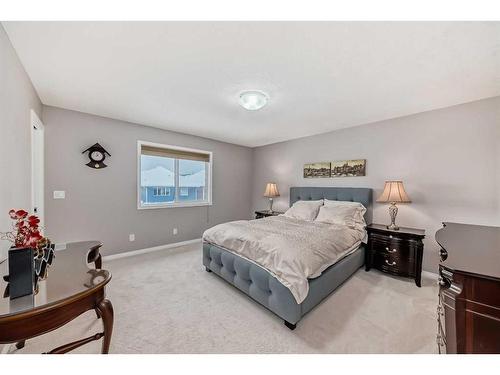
{"points": [[393, 264], [390, 242], [394, 248], [388, 238]]}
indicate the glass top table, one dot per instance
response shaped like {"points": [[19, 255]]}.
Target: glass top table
{"points": [[70, 288], [68, 276]]}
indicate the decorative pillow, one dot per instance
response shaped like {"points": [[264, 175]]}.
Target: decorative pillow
{"points": [[304, 210], [342, 213]]}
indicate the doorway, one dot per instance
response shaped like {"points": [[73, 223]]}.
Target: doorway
{"points": [[37, 167]]}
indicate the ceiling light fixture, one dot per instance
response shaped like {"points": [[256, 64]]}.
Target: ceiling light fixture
{"points": [[253, 99]]}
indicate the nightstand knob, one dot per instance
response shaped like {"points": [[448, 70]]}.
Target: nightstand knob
{"points": [[393, 263], [390, 251], [390, 235]]}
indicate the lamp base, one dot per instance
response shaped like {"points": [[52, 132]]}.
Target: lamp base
{"points": [[270, 205], [393, 211]]}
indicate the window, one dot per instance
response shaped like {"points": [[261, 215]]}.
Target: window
{"points": [[170, 176]]}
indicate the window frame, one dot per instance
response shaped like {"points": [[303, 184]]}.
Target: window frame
{"points": [[208, 178]]}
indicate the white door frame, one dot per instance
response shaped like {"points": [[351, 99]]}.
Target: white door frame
{"points": [[37, 166], [37, 180]]}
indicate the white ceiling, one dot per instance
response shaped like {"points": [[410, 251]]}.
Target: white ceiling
{"points": [[320, 76]]}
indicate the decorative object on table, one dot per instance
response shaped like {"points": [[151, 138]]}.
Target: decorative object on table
{"points": [[30, 255], [398, 252], [97, 154], [265, 213], [271, 192], [348, 168], [317, 170], [394, 192]]}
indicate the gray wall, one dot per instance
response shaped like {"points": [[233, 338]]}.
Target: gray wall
{"points": [[449, 160], [17, 98], [102, 204]]}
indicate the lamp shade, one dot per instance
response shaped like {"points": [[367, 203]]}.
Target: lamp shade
{"points": [[394, 191], [271, 190]]}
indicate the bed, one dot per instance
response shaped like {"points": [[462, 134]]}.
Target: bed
{"points": [[263, 287]]}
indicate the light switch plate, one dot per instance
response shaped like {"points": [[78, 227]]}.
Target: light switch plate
{"points": [[59, 194]]}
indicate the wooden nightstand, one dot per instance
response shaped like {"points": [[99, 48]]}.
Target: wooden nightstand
{"points": [[266, 213], [398, 252]]}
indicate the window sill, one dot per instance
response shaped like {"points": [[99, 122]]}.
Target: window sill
{"points": [[174, 205]]}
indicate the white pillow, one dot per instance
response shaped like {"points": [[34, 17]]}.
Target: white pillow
{"points": [[342, 213], [304, 210], [329, 202]]}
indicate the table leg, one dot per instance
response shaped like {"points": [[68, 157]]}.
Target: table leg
{"points": [[20, 344], [98, 262], [105, 310]]}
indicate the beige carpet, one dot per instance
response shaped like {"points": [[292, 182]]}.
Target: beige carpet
{"points": [[165, 302]]}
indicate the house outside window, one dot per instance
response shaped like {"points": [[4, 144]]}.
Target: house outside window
{"points": [[172, 176], [161, 191]]}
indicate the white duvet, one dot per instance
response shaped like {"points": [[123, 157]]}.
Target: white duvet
{"points": [[292, 250]]}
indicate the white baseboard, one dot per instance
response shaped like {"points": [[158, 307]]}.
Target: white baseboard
{"points": [[148, 250]]}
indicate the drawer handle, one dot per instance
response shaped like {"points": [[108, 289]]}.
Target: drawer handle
{"points": [[390, 251], [393, 263], [443, 254]]}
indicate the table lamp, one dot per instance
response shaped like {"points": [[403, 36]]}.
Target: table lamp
{"points": [[271, 192], [394, 192]]}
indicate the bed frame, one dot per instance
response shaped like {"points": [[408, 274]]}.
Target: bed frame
{"points": [[264, 288]]}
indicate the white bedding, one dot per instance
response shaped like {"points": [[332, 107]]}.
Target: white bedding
{"points": [[292, 250]]}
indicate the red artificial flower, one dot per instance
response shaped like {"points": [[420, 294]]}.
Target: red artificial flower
{"points": [[26, 230], [33, 239], [21, 214], [33, 221], [12, 214]]}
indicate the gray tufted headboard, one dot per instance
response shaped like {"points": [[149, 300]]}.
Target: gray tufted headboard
{"points": [[361, 195]]}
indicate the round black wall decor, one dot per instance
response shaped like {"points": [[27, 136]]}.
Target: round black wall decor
{"points": [[97, 154]]}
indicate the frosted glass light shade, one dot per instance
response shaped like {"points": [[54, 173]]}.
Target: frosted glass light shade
{"points": [[253, 100]]}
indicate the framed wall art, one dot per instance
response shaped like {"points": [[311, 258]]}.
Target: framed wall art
{"points": [[348, 168], [317, 170]]}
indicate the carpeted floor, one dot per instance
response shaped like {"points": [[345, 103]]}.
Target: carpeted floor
{"points": [[165, 302]]}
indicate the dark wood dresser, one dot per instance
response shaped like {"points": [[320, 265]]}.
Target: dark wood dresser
{"points": [[398, 252], [469, 291]]}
